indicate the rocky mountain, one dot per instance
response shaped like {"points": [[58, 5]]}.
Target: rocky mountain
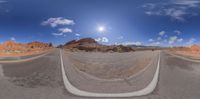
{"points": [[38, 45], [90, 45], [14, 47], [195, 48]]}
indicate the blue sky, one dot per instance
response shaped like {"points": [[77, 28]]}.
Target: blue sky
{"points": [[155, 22]]}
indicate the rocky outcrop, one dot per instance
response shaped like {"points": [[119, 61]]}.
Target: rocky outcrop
{"points": [[195, 48], [13, 47], [38, 46]]}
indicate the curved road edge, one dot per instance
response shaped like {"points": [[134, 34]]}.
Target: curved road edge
{"points": [[75, 91], [182, 57], [27, 59]]}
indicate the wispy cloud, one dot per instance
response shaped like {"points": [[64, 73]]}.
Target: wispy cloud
{"points": [[65, 30], [172, 39], [13, 39], [120, 37], [189, 3], [191, 40], [77, 34], [175, 39], [177, 32], [132, 43], [57, 34], [3, 1], [175, 9], [58, 22], [151, 40], [162, 33], [102, 39], [54, 22], [163, 38], [159, 38], [155, 43], [180, 40]]}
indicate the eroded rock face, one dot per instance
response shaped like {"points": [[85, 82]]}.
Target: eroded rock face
{"points": [[13, 47], [38, 45], [90, 45], [195, 48]]}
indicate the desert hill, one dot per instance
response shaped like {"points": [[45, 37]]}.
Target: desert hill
{"points": [[12, 47], [90, 45], [193, 50]]}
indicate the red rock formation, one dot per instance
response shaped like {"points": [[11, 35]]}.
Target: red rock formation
{"points": [[11, 47], [195, 48], [38, 46]]}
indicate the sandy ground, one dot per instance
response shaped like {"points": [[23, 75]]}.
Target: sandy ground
{"points": [[187, 53], [23, 54], [110, 65]]}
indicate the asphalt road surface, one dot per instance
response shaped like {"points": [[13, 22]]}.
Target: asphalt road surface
{"points": [[126, 84], [41, 79], [111, 65]]}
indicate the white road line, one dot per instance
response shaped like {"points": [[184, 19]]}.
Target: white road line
{"points": [[23, 60], [184, 58], [73, 90]]}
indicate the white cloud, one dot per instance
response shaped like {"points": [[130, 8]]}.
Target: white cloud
{"points": [[132, 43], [162, 33], [13, 38], [180, 40], [102, 39], [151, 40], [172, 39], [177, 32], [159, 38], [65, 30], [189, 3], [54, 22], [98, 39], [191, 40], [3, 1], [175, 9], [165, 41], [77, 34], [149, 5], [155, 43], [57, 34], [177, 14], [120, 37]]}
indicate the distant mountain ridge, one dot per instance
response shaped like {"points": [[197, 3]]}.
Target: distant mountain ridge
{"points": [[14, 47], [89, 44]]}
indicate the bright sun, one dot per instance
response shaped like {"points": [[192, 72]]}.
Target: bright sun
{"points": [[101, 29]]}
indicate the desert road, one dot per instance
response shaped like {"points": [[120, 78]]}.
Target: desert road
{"points": [[42, 77]]}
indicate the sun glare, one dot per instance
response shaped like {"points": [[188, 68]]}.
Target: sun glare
{"points": [[101, 29]]}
